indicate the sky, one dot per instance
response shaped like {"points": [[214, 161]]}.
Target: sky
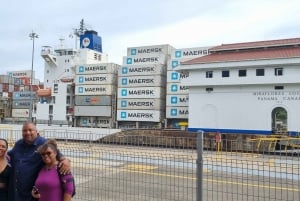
{"points": [[132, 23]]}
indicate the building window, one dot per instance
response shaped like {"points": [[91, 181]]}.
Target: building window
{"points": [[225, 73], [260, 72], [209, 74], [55, 90], [278, 71], [279, 87], [242, 73], [209, 89], [68, 101]]}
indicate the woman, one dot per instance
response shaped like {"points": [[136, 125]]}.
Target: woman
{"points": [[49, 185], [5, 171]]}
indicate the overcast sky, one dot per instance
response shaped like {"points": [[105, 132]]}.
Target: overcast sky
{"points": [[130, 23]]}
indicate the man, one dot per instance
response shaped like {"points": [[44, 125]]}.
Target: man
{"points": [[26, 162]]}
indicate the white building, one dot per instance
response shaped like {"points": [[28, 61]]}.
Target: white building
{"points": [[249, 88]]}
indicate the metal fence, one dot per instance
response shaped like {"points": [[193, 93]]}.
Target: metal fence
{"points": [[138, 167]]}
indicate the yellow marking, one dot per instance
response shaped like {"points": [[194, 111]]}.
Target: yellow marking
{"points": [[140, 167], [218, 181], [271, 162], [253, 185]]}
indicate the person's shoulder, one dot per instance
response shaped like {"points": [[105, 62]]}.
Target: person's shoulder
{"points": [[40, 140], [18, 142]]}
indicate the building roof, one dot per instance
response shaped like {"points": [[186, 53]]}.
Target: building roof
{"points": [[286, 48], [257, 44]]}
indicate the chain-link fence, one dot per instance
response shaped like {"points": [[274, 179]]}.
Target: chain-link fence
{"points": [[139, 167]]}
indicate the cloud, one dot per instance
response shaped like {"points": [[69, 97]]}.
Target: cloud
{"points": [[182, 24]]}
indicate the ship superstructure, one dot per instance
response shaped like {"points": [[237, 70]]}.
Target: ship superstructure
{"points": [[59, 102]]}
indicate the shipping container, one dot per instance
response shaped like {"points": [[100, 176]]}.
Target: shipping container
{"points": [[4, 87], [93, 100], [177, 88], [142, 81], [93, 90], [149, 59], [141, 104], [20, 113], [141, 92], [177, 112], [18, 74], [23, 95], [26, 80], [11, 80], [95, 122], [96, 79], [140, 115], [172, 64], [21, 104], [173, 76], [103, 68], [95, 111], [27, 88], [18, 81], [153, 49], [189, 53], [151, 69], [17, 87], [177, 100], [11, 88], [6, 95], [4, 79]]}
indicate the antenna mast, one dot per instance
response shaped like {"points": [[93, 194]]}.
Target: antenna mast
{"points": [[80, 31]]}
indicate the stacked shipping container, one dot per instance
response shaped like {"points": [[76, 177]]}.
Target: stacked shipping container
{"points": [[177, 94], [95, 94], [21, 103], [142, 83]]}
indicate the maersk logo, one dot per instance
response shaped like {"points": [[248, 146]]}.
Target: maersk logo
{"points": [[178, 53], [124, 81], [129, 61], [80, 89], [81, 69], [133, 51], [173, 112], [124, 70], [80, 79], [123, 115], [123, 103], [174, 100], [124, 92], [174, 76], [84, 121], [174, 88], [174, 64]]}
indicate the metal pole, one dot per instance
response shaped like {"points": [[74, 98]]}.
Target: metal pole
{"points": [[32, 36], [199, 196]]}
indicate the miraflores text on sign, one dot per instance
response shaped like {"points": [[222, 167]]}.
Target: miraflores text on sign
{"points": [[277, 95]]}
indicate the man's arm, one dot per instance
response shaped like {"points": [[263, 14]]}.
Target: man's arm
{"points": [[64, 165]]}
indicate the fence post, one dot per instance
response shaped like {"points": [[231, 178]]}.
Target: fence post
{"points": [[199, 185]]}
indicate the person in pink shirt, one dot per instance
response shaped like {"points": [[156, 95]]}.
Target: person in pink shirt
{"points": [[49, 185]]}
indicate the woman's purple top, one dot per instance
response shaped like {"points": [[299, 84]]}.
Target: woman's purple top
{"points": [[50, 186]]}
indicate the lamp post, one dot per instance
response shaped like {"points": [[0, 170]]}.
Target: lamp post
{"points": [[32, 36]]}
